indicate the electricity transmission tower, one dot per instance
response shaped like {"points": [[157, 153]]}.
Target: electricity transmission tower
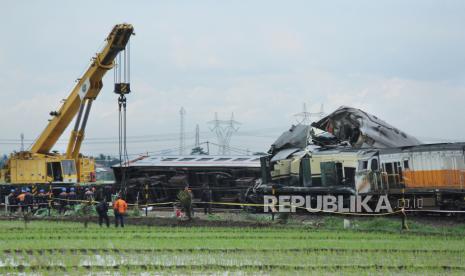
{"points": [[182, 142], [224, 130], [306, 117]]}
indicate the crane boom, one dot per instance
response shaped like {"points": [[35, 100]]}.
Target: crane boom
{"points": [[39, 165], [82, 95]]}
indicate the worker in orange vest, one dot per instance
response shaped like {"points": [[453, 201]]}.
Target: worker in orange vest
{"points": [[21, 199], [119, 207]]}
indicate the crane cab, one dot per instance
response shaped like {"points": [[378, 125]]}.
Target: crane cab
{"points": [[63, 171]]}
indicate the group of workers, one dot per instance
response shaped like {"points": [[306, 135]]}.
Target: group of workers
{"points": [[71, 198], [22, 199], [25, 201], [119, 209]]}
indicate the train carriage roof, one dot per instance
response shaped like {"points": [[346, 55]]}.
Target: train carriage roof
{"points": [[246, 161], [425, 148]]}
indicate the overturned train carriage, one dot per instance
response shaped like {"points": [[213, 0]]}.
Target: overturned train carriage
{"points": [[155, 179], [428, 176]]}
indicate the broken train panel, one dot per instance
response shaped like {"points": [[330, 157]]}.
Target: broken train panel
{"points": [[363, 130]]}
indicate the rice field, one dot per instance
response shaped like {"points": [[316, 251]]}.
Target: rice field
{"points": [[69, 248]]}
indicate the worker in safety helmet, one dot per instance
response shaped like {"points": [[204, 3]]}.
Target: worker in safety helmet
{"points": [[89, 195], [20, 199], [63, 200], [28, 200], [41, 199], [12, 201], [72, 197], [119, 207]]}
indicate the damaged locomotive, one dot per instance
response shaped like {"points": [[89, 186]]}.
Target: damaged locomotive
{"points": [[351, 153]]}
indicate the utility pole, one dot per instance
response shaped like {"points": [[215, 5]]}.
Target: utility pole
{"points": [[197, 136], [22, 141], [182, 113], [224, 130]]}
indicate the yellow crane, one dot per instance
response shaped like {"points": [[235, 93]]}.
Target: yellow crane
{"points": [[38, 165]]}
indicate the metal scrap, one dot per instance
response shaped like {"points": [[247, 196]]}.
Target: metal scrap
{"points": [[363, 130]]}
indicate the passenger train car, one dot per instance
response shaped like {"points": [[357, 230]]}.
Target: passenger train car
{"points": [[430, 175], [162, 177]]}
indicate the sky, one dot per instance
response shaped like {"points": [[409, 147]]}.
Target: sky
{"points": [[403, 61]]}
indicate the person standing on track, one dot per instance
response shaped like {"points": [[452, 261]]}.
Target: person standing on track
{"points": [[119, 207]]}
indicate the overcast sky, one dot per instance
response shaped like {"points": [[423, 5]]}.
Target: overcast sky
{"points": [[403, 61]]}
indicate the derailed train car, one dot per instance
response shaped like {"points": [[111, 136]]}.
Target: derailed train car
{"points": [[160, 178], [353, 153], [430, 176]]}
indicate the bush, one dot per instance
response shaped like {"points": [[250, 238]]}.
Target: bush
{"points": [[134, 212], [283, 218]]}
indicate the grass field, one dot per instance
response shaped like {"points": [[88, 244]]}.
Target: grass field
{"points": [[65, 247]]}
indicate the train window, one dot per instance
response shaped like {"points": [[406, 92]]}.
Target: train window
{"points": [[169, 159], [363, 165], [396, 170], [339, 173], [406, 164], [240, 159], [204, 159], [223, 159], [389, 168], [349, 174], [331, 173], [400, 177], [187, 159], [374, 164]]}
